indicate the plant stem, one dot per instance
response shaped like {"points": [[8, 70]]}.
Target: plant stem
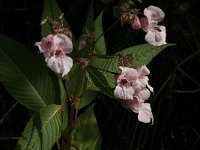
{"points": [[107, 30], [7, 113], [73, 108]]}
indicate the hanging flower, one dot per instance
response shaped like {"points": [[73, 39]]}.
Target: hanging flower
{"points": [[124, 88], [138, 106], [154, 15], [133, 88], [54, 49], [156, 35]]}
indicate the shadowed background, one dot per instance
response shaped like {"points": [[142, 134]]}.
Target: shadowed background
{"points": [[174, 75]]}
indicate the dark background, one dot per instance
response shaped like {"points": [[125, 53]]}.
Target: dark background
{"points": [[175, 75]]}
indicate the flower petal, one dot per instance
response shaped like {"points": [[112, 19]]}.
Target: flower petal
{"points": [[155, 37], [46, 45], [60, 65], [133, 104], [63, 42], [144, 94], [135, 22], [123, 92], [145, 115], [128, 73], [154, 14]]}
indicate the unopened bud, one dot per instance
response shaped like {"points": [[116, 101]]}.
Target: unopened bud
{"points": [[44, 21]]}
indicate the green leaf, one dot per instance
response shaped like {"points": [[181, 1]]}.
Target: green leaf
{"points": [[143, 54], [24, 76], [100, 46], [87, 134], [109, 64], [87, 98], [43, 129], [52, 11], [63, 94], [110, 78], [100, 81], [90, 85]]}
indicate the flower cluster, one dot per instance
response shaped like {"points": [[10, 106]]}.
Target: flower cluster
{"points": [[54, 48], [133, 88], [147, 21]]}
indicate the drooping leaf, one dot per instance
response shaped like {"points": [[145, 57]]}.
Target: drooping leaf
{"points": [[100, 81], [100, 46], [87, 134], [43, 129], [52, 11], [24, 76]]}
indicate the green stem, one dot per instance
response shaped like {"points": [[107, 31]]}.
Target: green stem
{"points": [[7, 113], [70, 87], [73, 108], [71, 125]]}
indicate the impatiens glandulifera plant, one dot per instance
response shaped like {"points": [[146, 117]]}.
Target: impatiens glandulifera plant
{"points": [[67, 74]]}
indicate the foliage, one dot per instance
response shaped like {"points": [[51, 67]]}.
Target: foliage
{"points": [[62, 106]]}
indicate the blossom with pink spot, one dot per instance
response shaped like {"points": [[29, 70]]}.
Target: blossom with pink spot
{"points": [[54, 49]]}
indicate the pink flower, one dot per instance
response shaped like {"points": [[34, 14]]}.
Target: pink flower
{"points": [[138, 106], [133, 104], [135, 21], [144, 24], [156, 35], [154, 15], [60, 65], [82, 44], [133, 88], [143, 71], [130, 81], [143, 94], [144, 114], [54, 49], [124, 88]]}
